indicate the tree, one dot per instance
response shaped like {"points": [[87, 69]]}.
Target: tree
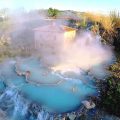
{"points": [[71, 22], [52, 12]]}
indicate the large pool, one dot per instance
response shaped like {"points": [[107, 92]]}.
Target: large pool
{"points": [[57, 92]]}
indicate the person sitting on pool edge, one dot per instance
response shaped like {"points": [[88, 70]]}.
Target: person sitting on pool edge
{"points": [[26, 74], [19, 73]]}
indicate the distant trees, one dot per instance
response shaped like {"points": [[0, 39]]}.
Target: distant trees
{"points": [[5, 40], [71, 22], [53, 12]]}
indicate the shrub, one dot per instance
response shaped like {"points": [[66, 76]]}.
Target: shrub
{"points": [[110, 97], [52, 12]]}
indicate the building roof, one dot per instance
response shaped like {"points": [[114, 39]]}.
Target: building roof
{"points": [[54, 28]]}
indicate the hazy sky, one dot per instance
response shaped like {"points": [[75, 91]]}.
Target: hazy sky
{"points": [[80, 5]]}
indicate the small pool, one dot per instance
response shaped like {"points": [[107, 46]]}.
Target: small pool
{"points": [[58, 93]]}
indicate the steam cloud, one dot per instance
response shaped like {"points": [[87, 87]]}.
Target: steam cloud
{"points": [[86, 53]]}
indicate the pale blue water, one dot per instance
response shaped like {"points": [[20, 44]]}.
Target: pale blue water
{"points": [[43, 89], [57, 97]]}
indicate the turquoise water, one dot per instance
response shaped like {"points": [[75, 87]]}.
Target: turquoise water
{"points": [[57, 93], [2, 87]]}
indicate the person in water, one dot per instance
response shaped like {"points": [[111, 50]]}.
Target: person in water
{"points": [[74, 88], [27, 75]]}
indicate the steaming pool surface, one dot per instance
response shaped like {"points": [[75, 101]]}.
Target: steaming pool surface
{"points": [[57, 92]]}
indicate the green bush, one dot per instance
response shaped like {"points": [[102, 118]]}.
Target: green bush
{"points": [[52, 12], [110, 96]]}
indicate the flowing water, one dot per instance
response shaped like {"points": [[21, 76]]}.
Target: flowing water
{"points": [[46, 92]]}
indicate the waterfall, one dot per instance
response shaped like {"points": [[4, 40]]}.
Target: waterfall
{"points": [[11, 99], [20, 105], [44, 116]]}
